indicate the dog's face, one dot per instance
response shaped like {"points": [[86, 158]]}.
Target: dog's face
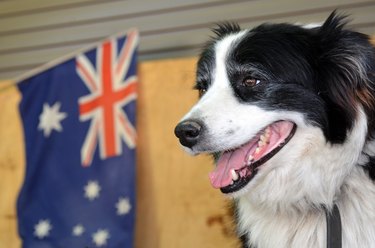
{"points": [[282, 109]]}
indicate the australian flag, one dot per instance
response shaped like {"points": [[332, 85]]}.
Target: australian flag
{"points": [[79, 128]]}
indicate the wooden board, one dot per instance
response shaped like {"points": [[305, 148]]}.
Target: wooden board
{"points": [[176, 206], [11, 164]]}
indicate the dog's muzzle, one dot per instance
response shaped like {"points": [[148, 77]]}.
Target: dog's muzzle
{"points": [[189, 132]]}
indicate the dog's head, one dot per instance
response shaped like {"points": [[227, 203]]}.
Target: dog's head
{"points": [[285, 109]]}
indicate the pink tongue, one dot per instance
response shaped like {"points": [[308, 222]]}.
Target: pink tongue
{"points": [[221, 176]]}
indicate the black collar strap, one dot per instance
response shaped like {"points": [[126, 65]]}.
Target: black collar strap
{"points": [[334, 231]]}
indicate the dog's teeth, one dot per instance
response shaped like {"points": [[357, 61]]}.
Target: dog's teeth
{"points": [[264, 139], [234, 175], [257, 150], [250, 159]]}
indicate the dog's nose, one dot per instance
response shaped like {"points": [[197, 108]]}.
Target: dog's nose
{"points": [[188, 132]]}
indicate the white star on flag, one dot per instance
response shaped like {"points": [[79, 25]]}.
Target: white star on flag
{"points": [[100, 237], [78, 230], [123, 206], [50, 118], [92, 190], [42, 229]]}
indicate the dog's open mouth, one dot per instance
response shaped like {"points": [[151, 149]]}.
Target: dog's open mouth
{"points": [[235, 168]]}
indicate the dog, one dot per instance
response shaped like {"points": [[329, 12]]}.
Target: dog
{"points": [[288, 113]]}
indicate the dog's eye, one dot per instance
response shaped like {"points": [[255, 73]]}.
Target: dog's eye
{"points": [[201, 86], [202, 92], [250, 81]]}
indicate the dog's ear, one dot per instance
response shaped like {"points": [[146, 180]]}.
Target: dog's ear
{"points": [[345, 65]]}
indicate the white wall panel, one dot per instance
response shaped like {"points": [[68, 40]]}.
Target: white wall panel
{"points": [[22, 7], [34, 32], [158, 44], [107, 12]]}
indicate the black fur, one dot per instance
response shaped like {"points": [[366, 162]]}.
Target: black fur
{"points": [[370, 167]]}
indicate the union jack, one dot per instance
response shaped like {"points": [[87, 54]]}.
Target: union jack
{"points": [[110, 90]]}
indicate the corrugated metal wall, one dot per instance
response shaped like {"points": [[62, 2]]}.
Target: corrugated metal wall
{"points": [[34, 32]]}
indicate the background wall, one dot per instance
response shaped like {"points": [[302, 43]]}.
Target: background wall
{"points": [[34, 32], [11, 164], [177, 206]]}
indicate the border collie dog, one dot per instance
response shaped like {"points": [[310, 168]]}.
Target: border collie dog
{"points": [[288, 112]]}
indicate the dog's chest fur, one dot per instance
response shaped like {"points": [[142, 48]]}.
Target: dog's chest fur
{"points": [[264, 229]]}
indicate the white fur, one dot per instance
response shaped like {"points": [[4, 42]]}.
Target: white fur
{"points": [[282, 205], [310, 25]]}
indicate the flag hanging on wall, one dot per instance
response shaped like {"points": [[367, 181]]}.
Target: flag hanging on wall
{"points": [[79, 127]]}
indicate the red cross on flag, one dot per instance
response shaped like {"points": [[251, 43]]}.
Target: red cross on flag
{"points": [[109, 92]]}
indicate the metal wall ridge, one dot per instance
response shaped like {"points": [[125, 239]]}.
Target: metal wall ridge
{"points": [[121, 17], [54, 8]]}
